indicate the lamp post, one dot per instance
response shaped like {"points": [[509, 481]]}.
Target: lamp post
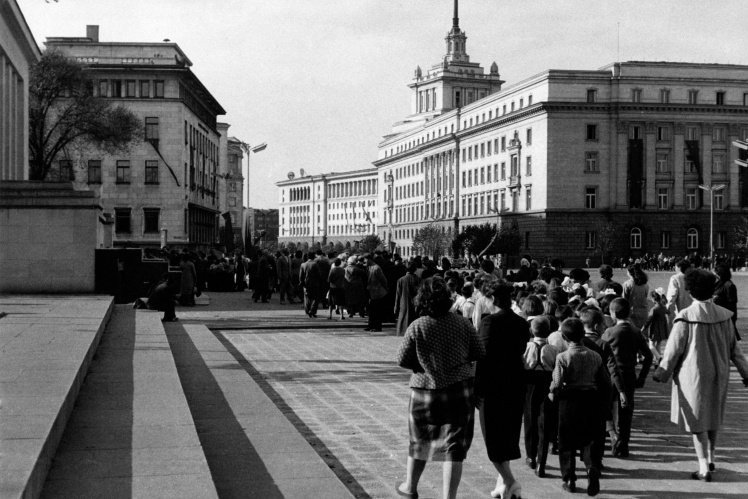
{"points": [[711, 189], [390, 207], [247, 149]]}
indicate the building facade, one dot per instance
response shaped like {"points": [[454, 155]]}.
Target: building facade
{"points": [[267, 221], [567, 155], [231, 184], [169, 183], [329, 208], [18, 52]]}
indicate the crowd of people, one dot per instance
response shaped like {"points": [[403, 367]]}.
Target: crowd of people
{"points": [[563, 355]]}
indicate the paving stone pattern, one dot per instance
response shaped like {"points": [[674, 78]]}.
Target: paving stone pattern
{"points": [[348, 391]]}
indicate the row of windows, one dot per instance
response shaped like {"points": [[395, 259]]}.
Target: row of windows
{"points": [[663, 198], [485, 149], [123, 220], [635, 239], [663, 162], [663, 96], [348, 229], [123, 172], [505, 108], [131, 89]]}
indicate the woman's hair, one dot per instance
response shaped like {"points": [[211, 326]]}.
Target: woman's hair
{"points": [[553, 284], [637, 274], [434, 298], [532, 306], [723, 272], [604, 302], [545, 274], [563, 312], [559, 296], [539, 287], [700, 283], [549, 307], [615, 286], [656, 297], [606, 271]]}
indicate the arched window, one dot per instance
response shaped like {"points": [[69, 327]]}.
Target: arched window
{"points": [[692, 239], [636, 238]]}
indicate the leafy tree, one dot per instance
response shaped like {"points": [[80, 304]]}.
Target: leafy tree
{"points": [[740, 234], [370, 243], [63, 113], [431, 240], [605, 241], [489, 240]]}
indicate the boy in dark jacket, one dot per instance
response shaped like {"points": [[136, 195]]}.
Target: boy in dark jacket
{"points": [[626, 341]]}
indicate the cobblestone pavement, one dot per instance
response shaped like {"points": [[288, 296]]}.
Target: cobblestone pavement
{"points": [[346, 388]]}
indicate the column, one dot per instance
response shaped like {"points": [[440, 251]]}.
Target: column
{"points": [[706, 160], [679, 164], [650, 161], [733, 200], [621, 162]]}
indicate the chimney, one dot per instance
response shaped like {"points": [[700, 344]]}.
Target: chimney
{"points": [[92, 32]]}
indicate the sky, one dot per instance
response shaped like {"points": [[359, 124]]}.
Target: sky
{"points": [[321, 81]]}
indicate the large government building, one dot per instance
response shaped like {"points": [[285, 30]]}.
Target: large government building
{"points": [[567, 155], [186, 172]]}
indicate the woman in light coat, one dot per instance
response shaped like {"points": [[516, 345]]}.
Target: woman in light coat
{"points": [[697, 357]]}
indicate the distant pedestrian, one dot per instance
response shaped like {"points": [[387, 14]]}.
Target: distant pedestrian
{"points": [[636, 291], [355, 288], [187, 281], [726, 294], [336, 295], [311, 279], [655, 330], [440, 348], [697, 357], [405, 293], [377, 286], [162, 297], [283, 268]]}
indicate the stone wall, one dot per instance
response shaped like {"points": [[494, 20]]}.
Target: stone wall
{"points": [[48, 235]]}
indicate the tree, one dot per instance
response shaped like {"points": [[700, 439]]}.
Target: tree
{"points": [[605, 242], [431, 240], [740, 234], [476, 239], [63, 112], [369, 244]]}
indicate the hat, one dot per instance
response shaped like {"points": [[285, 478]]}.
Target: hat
{"points": [[540, 326]]}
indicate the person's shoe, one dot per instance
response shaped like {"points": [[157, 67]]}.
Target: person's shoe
{"points": [[593, 487], [704, 477], [401, 493], [570, 486], [531, 463], [513, 492], [613, 442], [712, 468], [540, 471]]}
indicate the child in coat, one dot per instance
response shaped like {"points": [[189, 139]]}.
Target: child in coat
{"points": [[656, 329], [577, 378]]}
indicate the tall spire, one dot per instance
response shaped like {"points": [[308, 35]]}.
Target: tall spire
{"points": [[456, 40], [456, 17]]}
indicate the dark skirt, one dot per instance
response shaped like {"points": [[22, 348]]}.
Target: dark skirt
{"points": [[578, 416], [441, 422], [337, 297], [501, 422]]}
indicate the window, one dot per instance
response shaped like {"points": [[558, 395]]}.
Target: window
{"points": [[591, 95], [662, 198], [663, 162], [529, 100], [693, 96], [636, 95], [718, 163], [464, 183], [488, 174], [116, 88], [122, 220], [103, 88], [745, 99], [590, 240], [691, 198], [528, 198], [591, 132], [158, 89], [151, 129], [635, 132], [145, 89], [470, 179], [663, 133], [719, 200], [150, 220], [692, 133], [590, 162], [529, 166], [123, 172], [66, 170], [130, 88], [528, 141], [690, 163], [503, 170], [151, 172], [720, 240], [665, 239], [692, 239], [665, 96], [496, 172], [590, 198], [483, 175], [503, 200], [94, 171], [718, 134], [720, 101], [635, 238]]}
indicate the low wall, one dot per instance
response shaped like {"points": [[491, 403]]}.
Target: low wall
{"points": [[48, 236]]}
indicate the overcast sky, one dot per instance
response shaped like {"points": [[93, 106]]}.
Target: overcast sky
{"points": [[321, 81]]}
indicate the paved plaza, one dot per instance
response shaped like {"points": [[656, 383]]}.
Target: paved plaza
{"points": [[239, 399]]}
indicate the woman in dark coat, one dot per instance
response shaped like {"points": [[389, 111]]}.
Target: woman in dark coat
{"points": [[725, 293], [355, 285], [239, 272], [407, 288], [500, 385]]}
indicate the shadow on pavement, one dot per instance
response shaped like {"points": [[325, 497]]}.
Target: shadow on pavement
{"points": [[236, 467]]}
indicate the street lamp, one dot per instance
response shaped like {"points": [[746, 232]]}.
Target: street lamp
{"points": [[247, 149], [390, 206], [711, 189]]}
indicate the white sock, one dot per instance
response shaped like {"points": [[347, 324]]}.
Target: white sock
{"points": [[703, 468]]}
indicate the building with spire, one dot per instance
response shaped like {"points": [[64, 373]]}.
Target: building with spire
{"points": [[579, 160]]}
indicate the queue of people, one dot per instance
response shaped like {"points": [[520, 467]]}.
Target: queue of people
{"points": [[564, 355]]}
